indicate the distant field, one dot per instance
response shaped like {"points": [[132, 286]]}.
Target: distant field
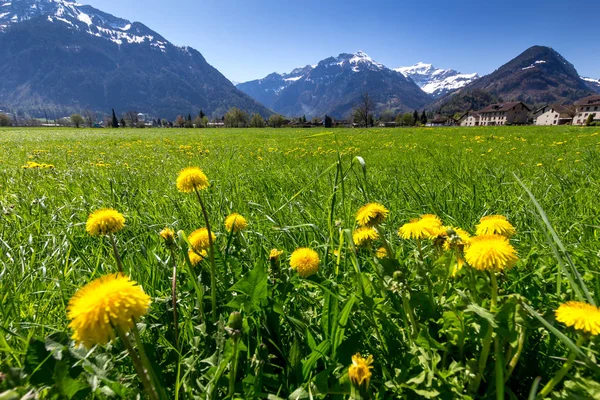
{"points": [[283, 182]]}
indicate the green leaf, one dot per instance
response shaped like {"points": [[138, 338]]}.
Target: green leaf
{"points": [[483, 313], [315, 356], [252, 290]]}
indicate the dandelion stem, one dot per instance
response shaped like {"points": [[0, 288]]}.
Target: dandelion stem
{"points": [[233, 372], [113, 242], [409, 311], [211, 254], [174, 297], [487, 341], [561, 372], [139, 368], [146, 361]]}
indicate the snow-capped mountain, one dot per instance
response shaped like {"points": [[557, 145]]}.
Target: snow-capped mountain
{"points": [[58, 57], [334, 87], [435, 81], [592, 83]]}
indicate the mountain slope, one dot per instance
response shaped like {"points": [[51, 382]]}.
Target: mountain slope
{"points": [[334, 87], [58, 57], [593, 84], [435, 81], [539, 75]]}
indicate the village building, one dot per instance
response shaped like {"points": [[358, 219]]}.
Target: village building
{"points": [[556, 115], [470, 118], [586, 107], [440, 120], [514, 113], [536, 113]]}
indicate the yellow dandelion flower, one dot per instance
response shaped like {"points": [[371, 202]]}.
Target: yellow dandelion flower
{"points": [[364, 236], [109, 301], [236, 222], [275, 254], [199, 239], [459, 238], [371, 214], [381, 253], [491, 252], [196, 258], [190, 179], [427, 226], [495, 225], [168, 236], [306, 261], [360, 370], [581, 316], [104, 222]]}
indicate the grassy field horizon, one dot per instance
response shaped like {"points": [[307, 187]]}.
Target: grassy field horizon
{"points": [[300, 188]]}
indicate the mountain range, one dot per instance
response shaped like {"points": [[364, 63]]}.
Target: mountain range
{"points": [[58, 57], [435, 81], [334, 86]]}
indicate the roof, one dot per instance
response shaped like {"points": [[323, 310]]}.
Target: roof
{"points": [[590, 100], [469, 113], [567, 111], [502, 107], [439, 119]]}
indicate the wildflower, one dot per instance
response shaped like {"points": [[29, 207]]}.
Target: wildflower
{"points": [[457, 239], [196, 258], [236, 222], [190, 179], [274, 254], [104, 222], [306, 261], [364, 236], [495, 225], [168, 236], [582, 316], [381, 253], [491, 252], [371, 215], [422, 228], [199, 239], [109, 301], [360, 370]]}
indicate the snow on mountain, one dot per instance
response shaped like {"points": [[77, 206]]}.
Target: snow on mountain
{"points": [[434, 81], [82, 18], [592, 83]]}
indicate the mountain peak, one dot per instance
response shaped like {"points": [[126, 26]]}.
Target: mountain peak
{"points": [[436, 81]]}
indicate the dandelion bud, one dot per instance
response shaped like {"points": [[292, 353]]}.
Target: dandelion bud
{"points": [[398, 276], [235, 321]]}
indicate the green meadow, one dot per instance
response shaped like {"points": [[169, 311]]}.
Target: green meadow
{"points": [[425, 328]]}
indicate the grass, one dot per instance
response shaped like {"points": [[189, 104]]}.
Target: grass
{"points": [[299, 188]]}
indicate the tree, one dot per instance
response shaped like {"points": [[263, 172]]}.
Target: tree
{"points": [[131, 117], [276, 121], [405, 119], [328, 122], [257, 121], [115, 122], [386, 116], [89, 116], [423, 118], [201, 114], [77, 120], [415, 117], [198, 122], [304, 118], [589, 120], [236, 118], [363, 110], [5, 120], [123, 123], [179, 121]]}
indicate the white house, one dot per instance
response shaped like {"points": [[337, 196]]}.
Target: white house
{"points": [[585, 107], [470, 118], [556, 115], [514, 113]]}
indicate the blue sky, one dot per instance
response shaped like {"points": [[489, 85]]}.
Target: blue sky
{"points": [[246, 39]]}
